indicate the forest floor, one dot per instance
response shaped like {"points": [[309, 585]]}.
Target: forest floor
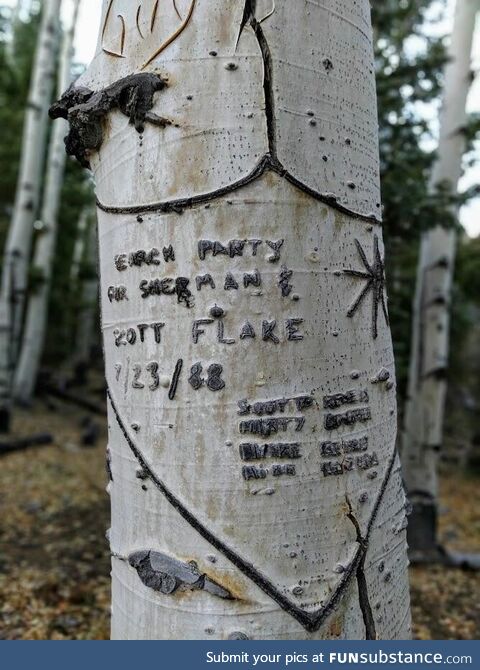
{"points": [[54, 559]]}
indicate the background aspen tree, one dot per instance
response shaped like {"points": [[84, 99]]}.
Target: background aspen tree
{"points": [[33, 339], [427, 387], [16, 258]]}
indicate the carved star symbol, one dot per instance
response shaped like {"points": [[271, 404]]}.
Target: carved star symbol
{"points": [[375, 278]]}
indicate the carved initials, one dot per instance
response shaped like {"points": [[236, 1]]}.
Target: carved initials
{"points": [[118, 51]]}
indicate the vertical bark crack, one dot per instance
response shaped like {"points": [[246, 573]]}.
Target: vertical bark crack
{"points": [[249, 17], [366, 608], [267, 87], [363, 597]]}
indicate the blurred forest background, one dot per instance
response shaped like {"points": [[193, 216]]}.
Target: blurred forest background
{"points": [[54, 563]]}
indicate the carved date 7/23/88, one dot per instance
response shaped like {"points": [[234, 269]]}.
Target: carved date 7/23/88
{"points": [[150, 376]]}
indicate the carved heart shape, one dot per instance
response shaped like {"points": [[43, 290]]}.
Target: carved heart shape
{"points": [[310, 619]]}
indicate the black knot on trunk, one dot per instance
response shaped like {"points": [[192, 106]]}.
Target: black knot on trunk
{"points": [[85, 110]]}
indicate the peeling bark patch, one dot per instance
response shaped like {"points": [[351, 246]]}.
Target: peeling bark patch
{"points": [[168, 575], [85, 110]]}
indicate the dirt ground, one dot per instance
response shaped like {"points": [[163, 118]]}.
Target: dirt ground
{"points": [[54, 562]]}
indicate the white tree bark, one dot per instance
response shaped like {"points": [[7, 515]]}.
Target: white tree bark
{"points": [[255, 488], [33, 338], [17, 250], [423, 426]]}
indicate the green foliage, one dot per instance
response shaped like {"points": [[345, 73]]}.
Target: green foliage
{"points": [[468, 270], [465, 310], [65, 296], [463, 417], [409, 76]]}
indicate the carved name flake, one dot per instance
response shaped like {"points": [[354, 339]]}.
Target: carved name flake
{"points": [[269, 331]]}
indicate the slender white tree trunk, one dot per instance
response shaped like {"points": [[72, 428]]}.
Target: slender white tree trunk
{"points": [[33, 338], [17, 250], [255, 488], [423, 427]]}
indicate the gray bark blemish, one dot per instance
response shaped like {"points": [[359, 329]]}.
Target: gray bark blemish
{"points": [[168, 575]]}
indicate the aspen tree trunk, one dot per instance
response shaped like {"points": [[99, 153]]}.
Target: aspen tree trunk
{"points": [[423, 427], [255, 488], [33, 339], [17, 250]]}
